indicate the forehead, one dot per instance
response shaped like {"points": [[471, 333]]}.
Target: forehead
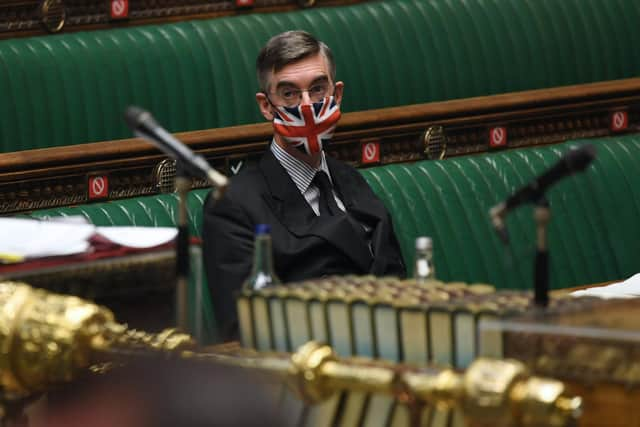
{"points": [[303, 72]]}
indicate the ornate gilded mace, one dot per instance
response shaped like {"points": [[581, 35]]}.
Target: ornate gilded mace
{"points": [[46, 339]]}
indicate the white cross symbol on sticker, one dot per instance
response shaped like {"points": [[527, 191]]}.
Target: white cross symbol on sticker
{"points": [[498, 136], [97, 185], [370, 151], [117, 6]]}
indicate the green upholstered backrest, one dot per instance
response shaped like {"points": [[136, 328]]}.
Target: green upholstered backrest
{"points": [[72, 88], [594, 233], [149, 211]]}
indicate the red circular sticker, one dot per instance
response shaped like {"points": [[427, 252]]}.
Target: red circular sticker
{"points": [[119, 8], [370, 152], [498, 137], [619, 120], [98, 187]]}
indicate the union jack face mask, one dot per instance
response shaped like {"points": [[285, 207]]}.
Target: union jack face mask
{"points": [[307, 127]]}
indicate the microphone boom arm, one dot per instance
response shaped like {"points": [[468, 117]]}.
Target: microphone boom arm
{"points": [[144, 126], [574, 160]]}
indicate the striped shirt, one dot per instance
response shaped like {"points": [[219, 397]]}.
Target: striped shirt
{"points": [[302, 174]]}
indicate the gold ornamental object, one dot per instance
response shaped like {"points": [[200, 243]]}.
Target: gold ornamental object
{"points": [[47, 339], [434, 143], [490, 392], [164, 174], [306, 3], [53, 15]]}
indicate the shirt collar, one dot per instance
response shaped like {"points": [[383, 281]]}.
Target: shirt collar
{"points": [[300, 172]]}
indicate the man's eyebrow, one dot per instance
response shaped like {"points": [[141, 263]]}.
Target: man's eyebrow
{"points": [[321, 79], [287, 83]]}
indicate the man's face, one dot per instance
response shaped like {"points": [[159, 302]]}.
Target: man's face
{"points": [[298, 83]]}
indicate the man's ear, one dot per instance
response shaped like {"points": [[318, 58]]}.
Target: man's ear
{"points": [[338, 92], [264, 105]]}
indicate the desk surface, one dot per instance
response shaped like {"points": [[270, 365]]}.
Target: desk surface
{"points": [[137, 285]]}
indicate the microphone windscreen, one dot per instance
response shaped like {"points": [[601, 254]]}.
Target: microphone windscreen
{"points": [[135, 116], [579, 158]]}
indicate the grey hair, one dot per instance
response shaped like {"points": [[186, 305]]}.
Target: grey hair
{"points": [[286, 48]]}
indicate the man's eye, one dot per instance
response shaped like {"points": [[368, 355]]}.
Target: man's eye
{"points": [[318, 89], [288, 94]]}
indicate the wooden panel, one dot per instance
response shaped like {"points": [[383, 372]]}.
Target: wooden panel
{"points": [[610, 405], [25, 18], [58, 176]]}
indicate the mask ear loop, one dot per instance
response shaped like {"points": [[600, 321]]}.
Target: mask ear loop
{"points": [[273, 106], [333, 94], [269, 100]]}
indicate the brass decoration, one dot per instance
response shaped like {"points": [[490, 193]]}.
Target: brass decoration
{"points": [[47, 338], [165, 176], [164, 179], [491, 392], [53, 15], [434, 143], [306, 3]]}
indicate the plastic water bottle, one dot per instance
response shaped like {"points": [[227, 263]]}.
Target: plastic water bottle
{"points": [[424, 270], [262, 273]]}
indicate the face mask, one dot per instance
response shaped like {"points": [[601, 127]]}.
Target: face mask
{"points": [[307, 127]]}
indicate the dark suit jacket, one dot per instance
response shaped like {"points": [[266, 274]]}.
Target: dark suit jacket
{"points": [[304, 245]]}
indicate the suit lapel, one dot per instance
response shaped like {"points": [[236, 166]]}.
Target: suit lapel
{"points": [[356, 198], [283, 196], [296, 215]]}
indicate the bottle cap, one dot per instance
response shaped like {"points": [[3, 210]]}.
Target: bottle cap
{"points": [[263, 229], [423, 243]]}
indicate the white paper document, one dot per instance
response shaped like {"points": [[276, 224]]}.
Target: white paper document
{"points": [[138, 237], [28, 238], [22, 239]]}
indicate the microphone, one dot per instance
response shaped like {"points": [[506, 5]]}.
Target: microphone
{"points": [[144, 126], [574, 160]]}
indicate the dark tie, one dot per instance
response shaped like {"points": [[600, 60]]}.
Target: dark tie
{"points": [[327, 202]]}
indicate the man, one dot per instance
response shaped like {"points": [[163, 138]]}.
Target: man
{"points": [[324, 218]]}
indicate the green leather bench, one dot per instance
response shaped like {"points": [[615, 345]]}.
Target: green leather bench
{"points": [[73, 88], [594, 234]]}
